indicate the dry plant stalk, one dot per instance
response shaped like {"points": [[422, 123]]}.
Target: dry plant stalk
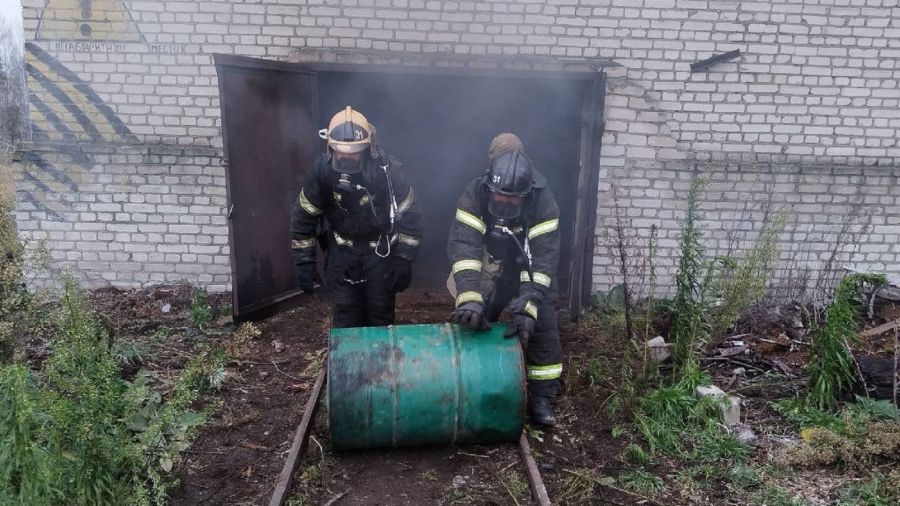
{"points": [[896, 360], [854, 226], [623, 245]]}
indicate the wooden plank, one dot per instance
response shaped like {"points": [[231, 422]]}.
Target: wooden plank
{"points": [[300, 437], [874, 331], [538, 490]]}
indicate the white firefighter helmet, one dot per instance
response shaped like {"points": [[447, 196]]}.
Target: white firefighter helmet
{"points": [[348, 132]]}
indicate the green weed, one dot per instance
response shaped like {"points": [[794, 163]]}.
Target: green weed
{"points": [[744, 475], [201, 310], [831, 366], [770, 495], [13, 295], [77, 432], [688, 326], [745, 280], [641, 481], [515, 486], [458, 496], [634, 454]]}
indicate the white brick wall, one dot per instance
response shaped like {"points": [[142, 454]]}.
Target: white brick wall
{"points": [[816, 88]]}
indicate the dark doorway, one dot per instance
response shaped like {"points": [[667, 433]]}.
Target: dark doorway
{"points": [[439, 122], [440, 127]]}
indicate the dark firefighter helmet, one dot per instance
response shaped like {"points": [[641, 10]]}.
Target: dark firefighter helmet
{"points": [[511, 173], [509, 179]]}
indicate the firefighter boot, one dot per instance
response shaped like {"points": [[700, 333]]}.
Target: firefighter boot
{"points": [[541, 411]]}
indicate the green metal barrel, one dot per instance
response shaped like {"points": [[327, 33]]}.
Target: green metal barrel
{"points": [[407, 385]]}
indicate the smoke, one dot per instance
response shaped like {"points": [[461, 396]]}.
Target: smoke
{"points": [[440, 127]]}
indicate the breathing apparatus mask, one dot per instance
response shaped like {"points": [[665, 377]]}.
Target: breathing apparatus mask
{"points": [[346, 166]]}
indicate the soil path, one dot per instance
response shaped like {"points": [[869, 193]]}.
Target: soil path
{"points": [[237, 458]]}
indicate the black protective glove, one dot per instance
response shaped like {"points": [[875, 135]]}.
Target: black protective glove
{"points": [[470, 314], [306, 276], [401, 274], [523, 323], [522, 326]]}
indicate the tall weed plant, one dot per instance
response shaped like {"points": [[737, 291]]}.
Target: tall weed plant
{"points": [[746, 279], [689, 328], [832, 366], [12, 294]]}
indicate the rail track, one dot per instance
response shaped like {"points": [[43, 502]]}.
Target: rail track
{"points": [[301, 435]]}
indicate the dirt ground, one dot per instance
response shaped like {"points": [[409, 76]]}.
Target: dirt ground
{"points": [[238, 454], [237, 457]]}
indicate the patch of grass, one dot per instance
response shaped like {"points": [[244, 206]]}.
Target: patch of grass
{"points": [[618, 431], [595, 370], [665, 414], [458, 496], [641, 481], [430, 475], [241, 340], [514, 484], [879, 490], [858, 447], [130, 352], [580, 487], [798, 411], [715, 446], [771, 495], [744, 475], [863, 435], [634, 454]]}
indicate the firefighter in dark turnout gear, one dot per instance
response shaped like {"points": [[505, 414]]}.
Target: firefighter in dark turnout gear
{"points": [[504, 250], [358, 205]]}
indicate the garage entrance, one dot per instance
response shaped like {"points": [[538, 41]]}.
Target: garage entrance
{"points": [[438, 122]]}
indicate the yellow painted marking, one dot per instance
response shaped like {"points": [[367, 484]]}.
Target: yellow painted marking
{"points": [[97, 20], [79, 99]]}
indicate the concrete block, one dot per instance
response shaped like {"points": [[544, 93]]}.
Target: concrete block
{"points": [[729, 407], [659, 349]]}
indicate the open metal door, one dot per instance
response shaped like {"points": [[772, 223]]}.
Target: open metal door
{"points": [[581, 276], [269, 110]]}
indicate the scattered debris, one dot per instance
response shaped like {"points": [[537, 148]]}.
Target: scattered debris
{"points": [[278, 345], [251, 446], [744, 434], [733, 351], [460, 481], [880, 329], [878, 374], [784, 368]]}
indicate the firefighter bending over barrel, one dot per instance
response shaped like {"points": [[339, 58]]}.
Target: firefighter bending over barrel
{"points": [[504, 249], [358, 203]]}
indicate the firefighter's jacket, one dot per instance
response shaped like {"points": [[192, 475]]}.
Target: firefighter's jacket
{"points": [[349, 220], [537, 230]]}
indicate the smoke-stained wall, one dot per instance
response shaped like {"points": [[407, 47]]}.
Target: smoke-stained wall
{"points": [[124, 177]]}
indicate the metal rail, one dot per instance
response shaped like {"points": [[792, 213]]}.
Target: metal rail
{"points": [[283, 485], [300, 437]]}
